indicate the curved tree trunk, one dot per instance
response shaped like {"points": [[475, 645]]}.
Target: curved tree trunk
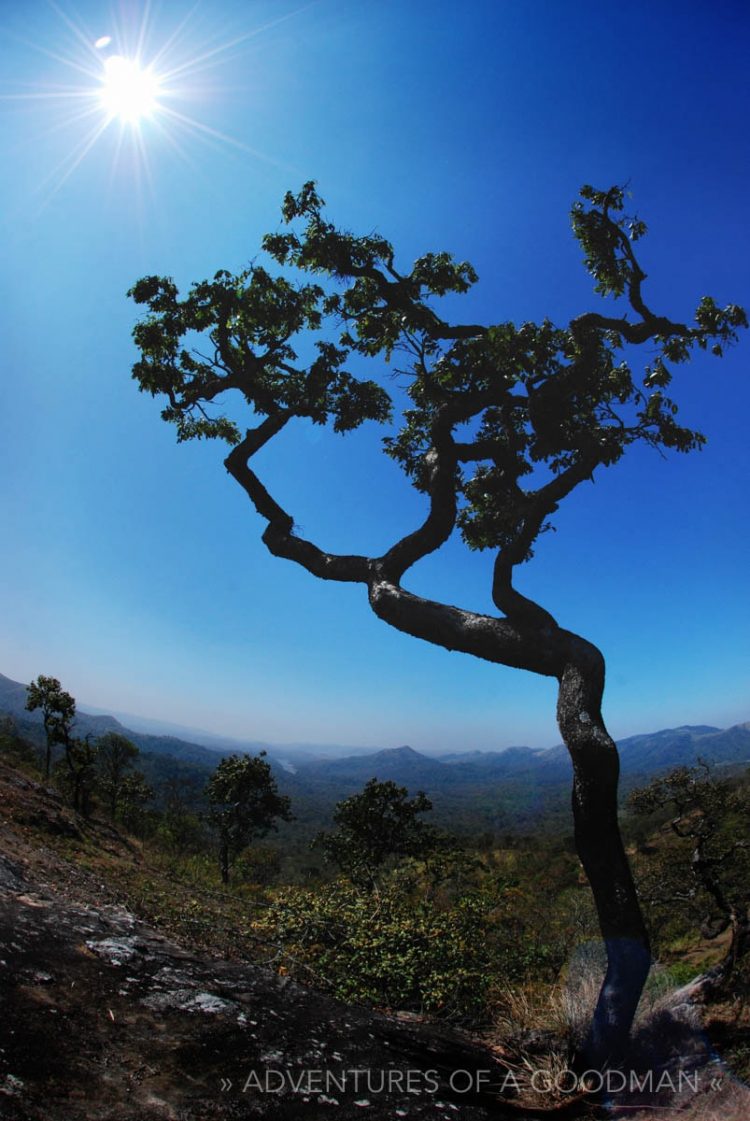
{"points": [[533, 641], [599, 844]]}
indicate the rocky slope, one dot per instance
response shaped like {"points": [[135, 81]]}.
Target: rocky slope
{"points": [[104, 1017]]}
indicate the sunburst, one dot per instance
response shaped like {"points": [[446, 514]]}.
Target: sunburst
{"points": [[126, 81]]}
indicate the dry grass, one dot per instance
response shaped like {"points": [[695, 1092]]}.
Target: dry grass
{"points": [[674, 1071]]}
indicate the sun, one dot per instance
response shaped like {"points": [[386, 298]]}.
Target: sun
{"points": [[128, 91]]}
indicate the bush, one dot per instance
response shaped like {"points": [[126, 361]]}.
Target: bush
{"points": [[396, 949]]}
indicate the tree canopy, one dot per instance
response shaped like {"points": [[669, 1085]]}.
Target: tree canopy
{"points": [[379, 822], [524, 397], [58, 712], [244, 803], [116, 756]]}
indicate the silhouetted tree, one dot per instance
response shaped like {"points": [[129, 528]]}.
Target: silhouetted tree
{"points": [[504, 422]]}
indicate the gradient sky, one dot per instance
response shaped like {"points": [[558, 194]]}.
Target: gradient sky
{"points": [[132, 568]]}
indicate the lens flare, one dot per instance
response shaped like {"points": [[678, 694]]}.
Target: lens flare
{"points": [[128, 90]]}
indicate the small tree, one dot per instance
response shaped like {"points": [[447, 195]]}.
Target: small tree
{"points": [[245, 804], [379, 823], [503, 423], [181, 829], [58, 711], [79, 772], [134, 794], [116, 757], [709, 873]]}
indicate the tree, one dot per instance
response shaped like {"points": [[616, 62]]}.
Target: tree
{"points": [[181, 828], [116, 757], [709, 874], [245, 804], [80, 760], [503, 423], [135, 792], [58, 711], [378, 823]]}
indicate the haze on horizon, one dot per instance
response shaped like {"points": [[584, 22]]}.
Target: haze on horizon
{"points": [[133, 569]]}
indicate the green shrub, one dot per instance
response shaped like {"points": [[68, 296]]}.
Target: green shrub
{"points": [[398, 949]]}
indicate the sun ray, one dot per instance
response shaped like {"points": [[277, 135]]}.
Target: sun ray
{"points": [[213, 134], [116, 155], [67, 60], [72, 120], [84, 36], [144, 184], [143, 30], [195, 64], [174, 38], [167, 135], [72, 161], [133, 89], [48, 95]]}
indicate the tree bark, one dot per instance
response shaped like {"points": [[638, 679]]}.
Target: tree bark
{"points": [[600, 848]]}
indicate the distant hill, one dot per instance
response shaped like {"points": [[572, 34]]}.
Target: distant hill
{"points": [[674, 747], [13, 702], [227, 744], [177, 737], [402, 764], [520, 788], [639, 755]]}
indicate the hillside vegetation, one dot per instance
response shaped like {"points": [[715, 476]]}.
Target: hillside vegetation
{"points": [[493, 936]]}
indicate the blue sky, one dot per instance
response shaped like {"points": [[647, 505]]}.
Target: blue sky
{"points": [[133, 568]]}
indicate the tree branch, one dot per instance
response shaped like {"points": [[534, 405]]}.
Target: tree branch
{"points": [[637, 275], [632, 332], [441, 519], [488, 638], [512, 603], [544, 502], [279, 537]]}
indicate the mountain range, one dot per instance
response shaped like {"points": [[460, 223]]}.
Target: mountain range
{"points": [[500, 790]]}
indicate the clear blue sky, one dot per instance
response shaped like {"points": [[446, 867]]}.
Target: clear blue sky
{"points": [[132, 568]]}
